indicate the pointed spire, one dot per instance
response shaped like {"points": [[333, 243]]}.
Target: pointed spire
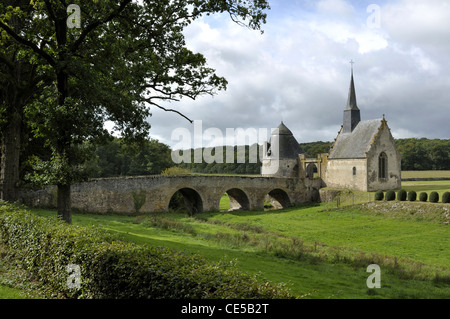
{"points": [[351, 101], [351, 113]]}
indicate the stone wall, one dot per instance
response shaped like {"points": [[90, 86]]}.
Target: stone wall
{"points": [[384, 143], [346, 174], [147, 194]]}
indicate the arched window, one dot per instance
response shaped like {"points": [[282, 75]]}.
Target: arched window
{"points": [[382, 166], [354, 171]]}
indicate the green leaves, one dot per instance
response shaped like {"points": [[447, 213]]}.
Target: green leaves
{"points": [[111, 268]]}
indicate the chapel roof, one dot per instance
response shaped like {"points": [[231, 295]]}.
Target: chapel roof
{"points": [[355, 144]]}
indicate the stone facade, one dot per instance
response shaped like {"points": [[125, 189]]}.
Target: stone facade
{"points": [[363, 156]]}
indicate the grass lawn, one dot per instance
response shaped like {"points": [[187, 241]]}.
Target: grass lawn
{"points": [[309, 248], [318, 251], [425, 174]]}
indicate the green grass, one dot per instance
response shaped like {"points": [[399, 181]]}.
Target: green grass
{"points": [[324, 252], [318, 250], [425, 174]]}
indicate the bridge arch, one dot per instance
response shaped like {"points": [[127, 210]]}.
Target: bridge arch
{"points": [[188, 199], [239, 200], [278, 199]]}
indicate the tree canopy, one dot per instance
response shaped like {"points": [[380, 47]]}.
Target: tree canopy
{"points": [[125, 56]]}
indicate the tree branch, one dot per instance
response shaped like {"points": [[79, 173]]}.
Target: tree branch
{"points": [[97, 23], [28, 43], [168, 110]]}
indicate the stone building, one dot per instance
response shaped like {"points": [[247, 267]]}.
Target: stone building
{"points": [[281, 154], [363, 156]]}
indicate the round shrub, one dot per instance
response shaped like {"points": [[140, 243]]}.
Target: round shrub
{"points": [[390, 195], [379, 195], [401, 195], [434, 197], [412, 196], [446, 197], [423, 197]]}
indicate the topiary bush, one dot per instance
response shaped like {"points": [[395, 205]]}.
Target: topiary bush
{"points": [[434, 197], [111, 268], [412, 196], [446, 197], [379, 195], [423, 197], [390, 195], [401, 195]]}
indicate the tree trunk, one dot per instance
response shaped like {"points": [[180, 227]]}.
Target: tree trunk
{"points": [[64, 138], [10, 152], [64, 203]]}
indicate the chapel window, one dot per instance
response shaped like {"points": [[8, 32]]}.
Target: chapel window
{"points": [[382, 166]]}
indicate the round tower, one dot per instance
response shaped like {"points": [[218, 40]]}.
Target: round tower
{"points": [[281, 154]]}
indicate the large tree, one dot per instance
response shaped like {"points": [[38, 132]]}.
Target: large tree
{"points": [[18, 82], [125, 56]]}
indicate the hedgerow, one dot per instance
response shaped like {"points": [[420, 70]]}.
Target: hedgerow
{"points": [[111, 268]]}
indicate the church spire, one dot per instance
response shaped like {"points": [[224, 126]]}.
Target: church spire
{"points": [[351, 113], [351, 101]]}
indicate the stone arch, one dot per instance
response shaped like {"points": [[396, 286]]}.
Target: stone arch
{"points": [[278, 199], [311, 169], [188, 199], [238, 199]]}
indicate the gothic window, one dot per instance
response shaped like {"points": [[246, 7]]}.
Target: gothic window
{"points": [[354, 171], [382, 166]]}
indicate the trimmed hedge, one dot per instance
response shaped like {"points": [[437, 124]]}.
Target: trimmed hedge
{"points": [[412, 196], [111, 268], [390, 195], [401, 195], [446, 197], [379, 195], [423, 197], [434, 197]]}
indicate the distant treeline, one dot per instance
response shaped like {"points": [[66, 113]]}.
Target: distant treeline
{"points": [[117, 158], [424, 154]]}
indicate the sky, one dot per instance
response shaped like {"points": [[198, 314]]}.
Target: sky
{"points": [[298, 71]]}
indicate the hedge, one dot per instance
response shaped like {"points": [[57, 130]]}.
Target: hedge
{"points": [[412, 196], [423, 197], [434, 197], [401, 195], [111, 268], [446, 197], [379, 195], [390, 195]]}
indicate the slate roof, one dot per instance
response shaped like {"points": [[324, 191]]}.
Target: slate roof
{"points": [[356, 143], [283, 138]]}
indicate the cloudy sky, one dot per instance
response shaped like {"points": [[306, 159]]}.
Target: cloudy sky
{"points": [[298, 71]]}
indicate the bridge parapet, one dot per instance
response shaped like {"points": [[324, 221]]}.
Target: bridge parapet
{"points": [[146, 194]]}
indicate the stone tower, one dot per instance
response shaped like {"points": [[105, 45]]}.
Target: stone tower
{"points": [[281, 154], [352, 114]]}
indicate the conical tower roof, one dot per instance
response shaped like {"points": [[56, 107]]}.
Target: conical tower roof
{"points": [[283, 142]]}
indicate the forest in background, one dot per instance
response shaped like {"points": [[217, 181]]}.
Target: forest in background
{"points": [[118, 157]]}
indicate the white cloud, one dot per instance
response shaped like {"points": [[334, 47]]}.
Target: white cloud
{"points": [[298, 70]]}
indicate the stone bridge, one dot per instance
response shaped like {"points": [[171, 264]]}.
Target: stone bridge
{"points": [[146, 194]]}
